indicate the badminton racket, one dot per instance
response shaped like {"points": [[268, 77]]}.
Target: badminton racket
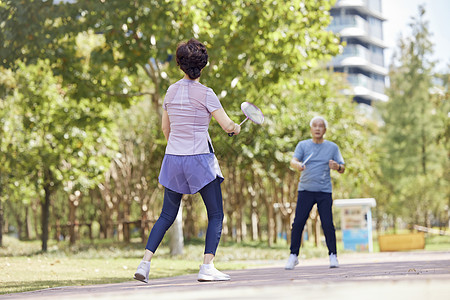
{"points": [[306, 160], [252, 113]]}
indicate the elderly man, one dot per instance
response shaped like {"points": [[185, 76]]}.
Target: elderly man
{"points": [[314, 158]]}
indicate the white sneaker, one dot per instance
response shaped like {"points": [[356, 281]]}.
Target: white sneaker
{"points": [[292, 262], [333, 261], [142, 271], [210, 273]]}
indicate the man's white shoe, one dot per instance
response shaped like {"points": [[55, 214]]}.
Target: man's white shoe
{"points": [[333, 261], [209, 273], [142, 271], [292, 262]]}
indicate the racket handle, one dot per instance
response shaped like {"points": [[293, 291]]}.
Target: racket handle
{"points": [[231, 134], [243, 121]]}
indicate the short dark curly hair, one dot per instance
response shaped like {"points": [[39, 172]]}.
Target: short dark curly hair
{"points": [[192, 57]]}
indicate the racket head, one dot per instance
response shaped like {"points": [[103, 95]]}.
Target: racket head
{"points": [[252, 112]]}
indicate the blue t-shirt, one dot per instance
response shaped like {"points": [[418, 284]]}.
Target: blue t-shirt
{"points": [[316, 176]]}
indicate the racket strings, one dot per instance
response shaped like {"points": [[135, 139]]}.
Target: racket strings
{"points": [[252, 112]]}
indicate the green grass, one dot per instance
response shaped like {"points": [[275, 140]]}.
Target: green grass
{"points": [[437, 243], [24, 268]]}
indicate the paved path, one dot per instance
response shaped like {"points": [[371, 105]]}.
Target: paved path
{"points": [[380, 276]]}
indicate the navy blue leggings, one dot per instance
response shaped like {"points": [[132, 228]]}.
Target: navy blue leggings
{"points": [[212, 197], [305, 202]]}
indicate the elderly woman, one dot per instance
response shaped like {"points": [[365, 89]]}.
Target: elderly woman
{"points": [[189, 165]]}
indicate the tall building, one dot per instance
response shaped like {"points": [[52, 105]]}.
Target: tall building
{"points": [[359, 24]]}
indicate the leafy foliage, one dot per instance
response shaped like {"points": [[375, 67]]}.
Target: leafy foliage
{"points": [[413, 157], [82, 85]]}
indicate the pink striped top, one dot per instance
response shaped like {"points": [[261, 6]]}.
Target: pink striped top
{"points": [[189, 105]]}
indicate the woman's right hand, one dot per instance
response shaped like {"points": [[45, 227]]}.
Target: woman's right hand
{"points": [[237, 129], [225, 122]]}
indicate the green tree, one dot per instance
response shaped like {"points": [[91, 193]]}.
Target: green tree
{"points": [[413, 160], [257, 51], [440, 98], [39, 32], [54, 149], [8, 154], [269, 53]]}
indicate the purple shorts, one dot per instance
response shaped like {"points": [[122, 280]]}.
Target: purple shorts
{"points": [[187, 174]]}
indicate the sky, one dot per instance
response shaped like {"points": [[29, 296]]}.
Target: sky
{"points": [[398, 14]]}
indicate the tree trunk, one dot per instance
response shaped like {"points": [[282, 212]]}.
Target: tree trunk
{"points": [[152, 72], [236, 226], [255, 221], [278, 226], [309, 229], [1, 222], [227, 207], [28, 228], [427, 219], [176, 234], [270, 223], [120, 218], [57, 230], [189, 223], [317, 230], [243, 224], [241, 198], [287, 228], [35, 218], [109, 225], [378, 221], [225, 231], [105, 217], [145, 214], [73, 229], [229, 222], [19, 227], [394, 225], [143, 228], [126, 220], [120, 231], [259, 202], [45, 216]]}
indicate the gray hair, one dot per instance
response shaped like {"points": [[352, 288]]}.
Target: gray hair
{"points": [[318, 118]]}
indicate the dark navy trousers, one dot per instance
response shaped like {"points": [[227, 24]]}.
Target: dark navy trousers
{"points": [[212, 197], [305, 202]]}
